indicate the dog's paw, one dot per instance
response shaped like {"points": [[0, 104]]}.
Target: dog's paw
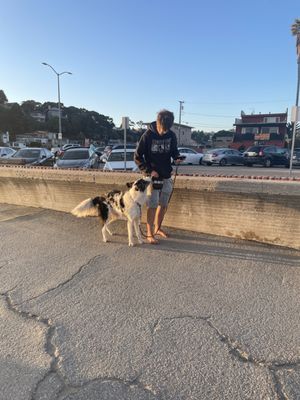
{"points": [[130, 244], [141, 241]]}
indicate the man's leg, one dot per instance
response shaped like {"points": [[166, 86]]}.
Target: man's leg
{"points": [[151, 212], [160, 213], [162, 208]]}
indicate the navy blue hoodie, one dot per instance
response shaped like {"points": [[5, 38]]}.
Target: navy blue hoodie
{"points": [[154, 152]]}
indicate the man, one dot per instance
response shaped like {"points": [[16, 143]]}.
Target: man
{"points": [[153, 156]]}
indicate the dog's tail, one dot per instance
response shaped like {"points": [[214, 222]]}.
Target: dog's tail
{"points": [[95, 207]]}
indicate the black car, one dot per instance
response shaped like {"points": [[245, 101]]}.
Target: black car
{"points": [[31, 156], [267, 156], [296, 157]]}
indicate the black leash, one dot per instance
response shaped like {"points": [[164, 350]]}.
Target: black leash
{"points": [[174, 180]]}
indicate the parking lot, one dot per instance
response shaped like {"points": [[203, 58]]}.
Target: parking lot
{"points": [[238, 170]]}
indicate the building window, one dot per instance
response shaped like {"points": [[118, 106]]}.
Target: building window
{"points": [[249, 129], [268, 120], [270, 129]]}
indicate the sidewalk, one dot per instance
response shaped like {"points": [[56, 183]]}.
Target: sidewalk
{"points": [[196, 317]]}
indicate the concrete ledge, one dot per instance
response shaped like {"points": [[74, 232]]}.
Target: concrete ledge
{"points": [[253, 209]]}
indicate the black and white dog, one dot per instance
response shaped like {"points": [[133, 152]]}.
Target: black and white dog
{"points": [[118, 205]]}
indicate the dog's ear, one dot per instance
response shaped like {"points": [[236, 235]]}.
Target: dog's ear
{"points": [[129, 184]]}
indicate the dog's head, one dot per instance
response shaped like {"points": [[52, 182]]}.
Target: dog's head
{"points": [[138, 189], [139, 185]]}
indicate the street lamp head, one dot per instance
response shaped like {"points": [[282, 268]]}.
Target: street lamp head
{"points": [[44, 63]]}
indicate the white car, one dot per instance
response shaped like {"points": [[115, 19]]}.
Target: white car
{"points": [[191, 156], [6, 152], [116, 161]]}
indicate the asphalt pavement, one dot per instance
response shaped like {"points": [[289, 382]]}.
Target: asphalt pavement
{"points": [[195, 317]]}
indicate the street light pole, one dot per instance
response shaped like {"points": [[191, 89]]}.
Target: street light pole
{"points": [[179, 128], [58, 74]]}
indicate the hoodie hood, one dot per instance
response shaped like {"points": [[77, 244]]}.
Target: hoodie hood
{"points": [[153, 127]]}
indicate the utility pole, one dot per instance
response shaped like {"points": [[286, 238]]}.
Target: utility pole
{"points": [[179, 128]]}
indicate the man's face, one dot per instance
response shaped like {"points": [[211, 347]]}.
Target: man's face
{"points": [[159, 128]]}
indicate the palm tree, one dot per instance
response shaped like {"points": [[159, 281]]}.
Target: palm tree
{"points": [[295, 28]]}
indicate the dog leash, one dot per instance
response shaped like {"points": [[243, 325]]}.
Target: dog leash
{"points": [[174, 180]]}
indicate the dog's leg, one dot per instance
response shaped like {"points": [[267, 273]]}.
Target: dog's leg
{"points": [[130, 232], [104, 228], [137, 229], [108, 230]]}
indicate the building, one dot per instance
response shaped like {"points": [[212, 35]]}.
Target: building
{"points": [[42, 137], [38, 116], [4, 137], [265, 129], [220, 140]]}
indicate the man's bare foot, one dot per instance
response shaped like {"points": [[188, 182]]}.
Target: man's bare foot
{"points": [[161, 233], [152, 240]]}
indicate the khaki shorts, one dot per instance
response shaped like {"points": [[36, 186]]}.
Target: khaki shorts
{"points": [[159, 197]]}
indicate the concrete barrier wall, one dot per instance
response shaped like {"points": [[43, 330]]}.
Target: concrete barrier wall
{"points": [[262, 210]]}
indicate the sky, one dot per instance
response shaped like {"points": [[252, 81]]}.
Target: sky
{"points": [[135, 57]]}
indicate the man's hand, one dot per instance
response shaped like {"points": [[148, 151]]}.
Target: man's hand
{"points": [[178, 160], [154, 174]]}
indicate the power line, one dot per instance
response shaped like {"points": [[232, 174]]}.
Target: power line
{"points": [[241, 102], [211, 115]]}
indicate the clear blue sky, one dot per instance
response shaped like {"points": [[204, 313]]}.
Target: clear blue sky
{"points": [[135, 57]]}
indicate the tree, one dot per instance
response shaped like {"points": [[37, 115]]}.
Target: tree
{"points": [[296, 32], [29, 106], [295, 28], [3, 98], [200, 137], [223, 133]]}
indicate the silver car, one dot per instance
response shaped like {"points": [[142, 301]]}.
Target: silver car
{"points": [[6, 152], [79, 157], [223, 157]]}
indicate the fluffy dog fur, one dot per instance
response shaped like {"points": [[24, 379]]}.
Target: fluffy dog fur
{"points": [[117, 205]]}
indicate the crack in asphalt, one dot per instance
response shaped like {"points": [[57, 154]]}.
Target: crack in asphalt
{"points": [[5, 264], [236, 350], [53, 351], [50, 347], [73, 389], [61, 284]]}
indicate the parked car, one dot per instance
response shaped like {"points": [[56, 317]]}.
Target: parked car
{"points": [[55, 150], [6, 152], [223, 157], [116, 161], [106, 152], [296, 157], [121, 146], [99, 150], [30, 155], [267, 156], [60, 151], [108, 149], [69, 146], [79, 157], [191, 156]]}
